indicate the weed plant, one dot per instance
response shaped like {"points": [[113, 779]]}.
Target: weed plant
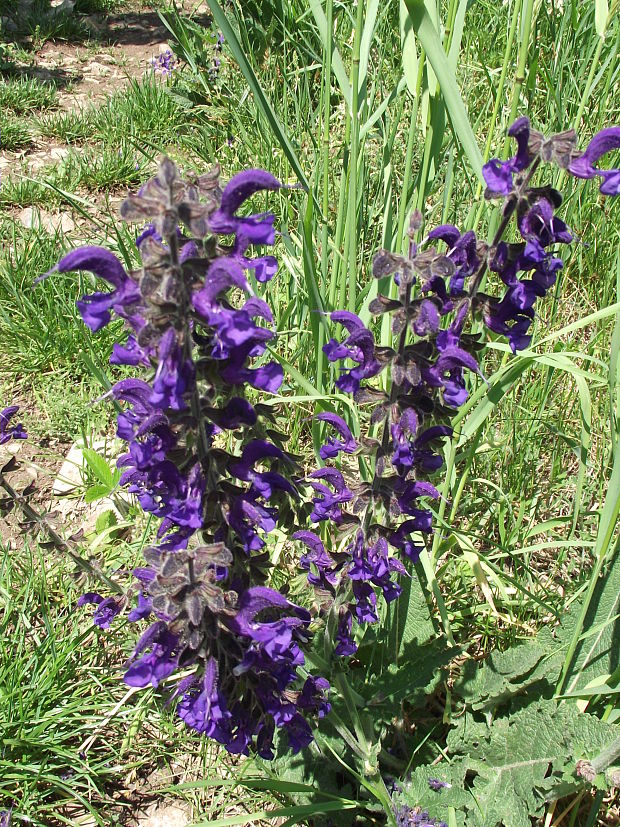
{"points": [[14, 133], [24, 95]]}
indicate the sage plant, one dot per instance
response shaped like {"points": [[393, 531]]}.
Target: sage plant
{"points": [[438, 296], [233, 649], [193, 319]]}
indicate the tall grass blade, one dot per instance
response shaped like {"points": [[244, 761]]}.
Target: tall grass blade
{"points": [[260, 97], [338, 69], [428, 36]]}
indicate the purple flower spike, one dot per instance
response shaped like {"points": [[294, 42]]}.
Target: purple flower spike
{"points": [[584, 167], [15, 431], [333, 446]]}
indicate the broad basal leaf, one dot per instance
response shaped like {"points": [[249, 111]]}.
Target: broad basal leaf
{"points": [[503, 773]]}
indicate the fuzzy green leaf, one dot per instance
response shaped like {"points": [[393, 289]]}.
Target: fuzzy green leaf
{"points": [[513, 766], [598, 650]]}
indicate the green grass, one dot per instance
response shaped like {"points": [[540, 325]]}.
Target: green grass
{"points": [[144, 112], [39, 24], [99, 168], [14, 133], [24, 95], [70, 127], [38, 322]]}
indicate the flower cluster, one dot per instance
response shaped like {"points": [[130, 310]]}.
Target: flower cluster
{"points": [[436, 293], [8, 432], [165, 63], [415, 817], [195, 321], [214, 68], [207, 462]]}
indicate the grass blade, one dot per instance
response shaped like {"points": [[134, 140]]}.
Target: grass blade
{"points": [[260, 97], [428, 36]]}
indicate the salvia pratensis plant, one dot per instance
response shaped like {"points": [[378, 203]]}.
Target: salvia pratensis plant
{"points": [[439, 295], [200, 333]]}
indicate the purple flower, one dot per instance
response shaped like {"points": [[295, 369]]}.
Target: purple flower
{"points": [[175, 374], [276, 636], [585, 166], [345, 645], [13, 432], [498, 174], [447, 373], [235, 413], [205, 710], [96, 308], [359, 346], [326, 566], [415, 817], [333, 446], [107, 609], [299, 733], [165, 63], [327, 503], [436, 784], [253, 229], [142, 610], [313, 696], [540, 224], [233, 370], [157, 663]]}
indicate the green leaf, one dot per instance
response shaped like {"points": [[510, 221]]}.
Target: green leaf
{"points": [[598, 653], [535, 664], [415, 676], [96, 492], [513, 765], [601, 14], [106, 520], [410, 618], [409, 50], [312, 770], [99, 467], [299, 812], [429, 38], [338, 69]]}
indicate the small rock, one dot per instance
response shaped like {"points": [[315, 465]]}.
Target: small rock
{"points": [[166, 815], [58, 153], [62, 6], [36, 219], [27, 217], [67, 224], [70, 475], [98, 69]]}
